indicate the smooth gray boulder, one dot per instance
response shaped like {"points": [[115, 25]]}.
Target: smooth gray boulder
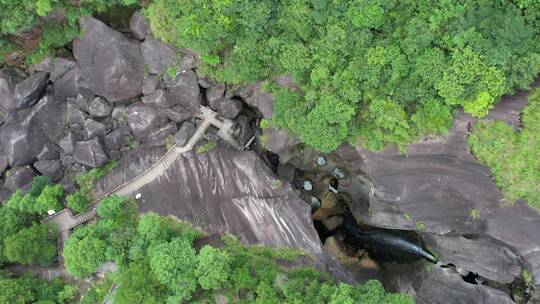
{"points": [[56, 67], [278, 140], [50, 168], [71, 84], [19, 177], [115, 140], [93, 129], [142, 119], [28, 92], [214, 95], [67, 143], [184, 134], [3, 164], [254, 96], [75, 117], [112, 63], [150, 84], [23, 137], [159, 98], [178, 114], [119, 114], [99, 107], [139, 26], [50, 151], [160, 136], [90, 153], [185, 89], [6, 94], [158, 56], [230, 108]]}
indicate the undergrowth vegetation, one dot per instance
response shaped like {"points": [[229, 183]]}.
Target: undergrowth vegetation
{"points": [[160, 262], [379, 71], [513, 156]]}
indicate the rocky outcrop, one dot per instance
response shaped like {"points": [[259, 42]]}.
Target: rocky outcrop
{"points": [[56, 67], [230, 108], [28, 92], [50, 168], [254, 96], [139, 25], [99, 107], [112, 64], [142, 119], [19, 177], [158, 56], [23, 137], [185, 90], [71, 84], [90, 153]]}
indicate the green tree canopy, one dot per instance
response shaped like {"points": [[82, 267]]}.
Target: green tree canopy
{"points": [[34, 245]]}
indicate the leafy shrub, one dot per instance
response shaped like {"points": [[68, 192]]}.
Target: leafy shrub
{"points": [[34, 245], [213, 268], [513, 157]]}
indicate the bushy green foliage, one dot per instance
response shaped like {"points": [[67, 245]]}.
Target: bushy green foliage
{"points": [[513, 157], [80, 200], [97, 292], [174, 265], [77, 202], [29, 289], [108, 240], [213, 268], [139, 285], [43, 196], [383, 71], [34, 245]]}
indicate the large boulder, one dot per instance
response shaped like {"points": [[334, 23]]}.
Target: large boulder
{"points": [[116, 140], [56, 67], [214, 95], [159, 98], [178, 114], [185, 90], [150, 84], [50, 168], [112, 63], [184, 134], [254, 96], [67, 143], [75, 117], [93, 129], [19, 177], [23, 137], [28, 92], [3, 164], [162, 136], [139, 26], [230, 108], [99, 107], [158, 56], [50, 151], [71, 84], [142, 119], [90, 153]]}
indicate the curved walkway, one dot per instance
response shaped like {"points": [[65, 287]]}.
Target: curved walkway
{"points": [[64, 219]]}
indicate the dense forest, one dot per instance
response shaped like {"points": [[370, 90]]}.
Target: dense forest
{"points": [[369, 72]]}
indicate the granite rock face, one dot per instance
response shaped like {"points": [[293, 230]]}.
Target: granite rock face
{"points": [[90, 153], [230, 108], [184, 134], [255, 97], [160, 136], [112, 64], [142, 119], [23, 137], [50, 151]]}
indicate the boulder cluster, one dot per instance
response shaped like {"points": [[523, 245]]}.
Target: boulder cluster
{"points": [[119, 91]]}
